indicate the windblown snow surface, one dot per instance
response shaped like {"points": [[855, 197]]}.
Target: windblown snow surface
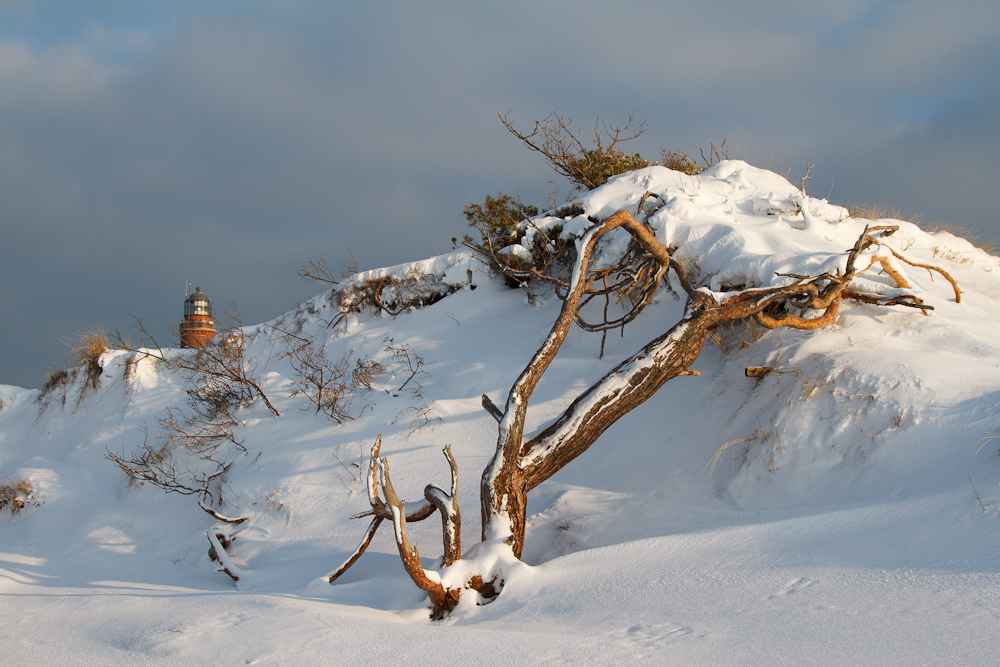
{"points": [[840, 526]]}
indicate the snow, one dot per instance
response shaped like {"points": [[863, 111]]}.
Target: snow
{"points": [[837, 527]]}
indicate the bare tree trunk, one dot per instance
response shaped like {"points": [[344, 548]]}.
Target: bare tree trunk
{"points": [[518, 466]]}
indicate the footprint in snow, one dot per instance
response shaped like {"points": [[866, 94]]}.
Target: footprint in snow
{"points": [[792, 587], [656, 635]]}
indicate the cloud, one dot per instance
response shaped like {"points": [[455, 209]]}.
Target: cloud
{"points": [[143, 147]]}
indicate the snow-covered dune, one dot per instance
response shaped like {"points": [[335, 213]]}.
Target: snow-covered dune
{"points": [[842, 509]]}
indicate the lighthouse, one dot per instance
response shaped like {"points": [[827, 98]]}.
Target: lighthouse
{"points": [[197, 327]]}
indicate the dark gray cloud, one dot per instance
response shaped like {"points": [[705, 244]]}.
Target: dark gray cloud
{"points": [[223, 142]]}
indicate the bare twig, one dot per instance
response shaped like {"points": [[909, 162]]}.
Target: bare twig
{"points": [[976, 492]]}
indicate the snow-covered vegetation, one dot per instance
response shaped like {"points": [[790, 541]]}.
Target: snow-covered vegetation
{"points": [[839, 506]]}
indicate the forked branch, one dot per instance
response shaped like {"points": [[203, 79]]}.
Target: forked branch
{"points": [[519, 464], [435, 499], [442, 599]]}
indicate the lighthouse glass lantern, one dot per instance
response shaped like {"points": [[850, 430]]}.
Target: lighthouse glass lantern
{"points": [[197, 327]]}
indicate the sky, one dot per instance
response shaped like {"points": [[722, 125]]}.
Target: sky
{"points": [[146, 147]]}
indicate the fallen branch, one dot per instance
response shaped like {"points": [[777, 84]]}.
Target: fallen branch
{"points": [[218, 516], [219, 540]]}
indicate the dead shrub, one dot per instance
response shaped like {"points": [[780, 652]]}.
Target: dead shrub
{"points": [[325, 383], [392, 295], [128, 373], [411, 366], [411, 363], [329, 385], [196, 433], [365, 371], [684, 163], [560, 145], [681, 162], [15, 494], [318, 271], [174, 471], [223, 377]]}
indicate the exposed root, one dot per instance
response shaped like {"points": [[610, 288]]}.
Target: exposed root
{"points": [[954, 284]]}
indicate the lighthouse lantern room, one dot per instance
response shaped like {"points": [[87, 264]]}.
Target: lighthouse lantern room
{"points": [[197, 327]]}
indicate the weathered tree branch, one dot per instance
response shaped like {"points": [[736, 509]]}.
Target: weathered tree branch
{"points": [[443, 600], [381, 512], [451, 519], [519, 464], [219, 540]]}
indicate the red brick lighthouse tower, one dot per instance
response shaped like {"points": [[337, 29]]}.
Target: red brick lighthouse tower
{"points": [[197, 327]]}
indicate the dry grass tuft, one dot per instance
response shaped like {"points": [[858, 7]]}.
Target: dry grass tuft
{"points": [[88, 347], [878, 211], [992, 246], [987, 439], [760, 435], [86, 350], [736, 336]]}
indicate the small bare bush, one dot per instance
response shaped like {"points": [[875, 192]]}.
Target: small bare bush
{"points": [[325, 383], [172, 471], [366, 371], [218, 376], [223, 377], [589, 166], [734, 337], [411, 363], [196, 433], [684, 163], [318, 271], [128, 373], [329, 385], [15, 494]]}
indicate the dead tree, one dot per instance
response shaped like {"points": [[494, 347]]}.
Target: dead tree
{"points": [[519, 465]]}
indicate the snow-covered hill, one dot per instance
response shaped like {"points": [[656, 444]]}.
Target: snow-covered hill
{"points": [[841, 509]]}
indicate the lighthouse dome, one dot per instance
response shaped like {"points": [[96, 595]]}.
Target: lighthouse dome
{"points": [[197, 304]]}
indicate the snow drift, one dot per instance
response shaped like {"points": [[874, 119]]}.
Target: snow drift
{"points": [[839, 509]]}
